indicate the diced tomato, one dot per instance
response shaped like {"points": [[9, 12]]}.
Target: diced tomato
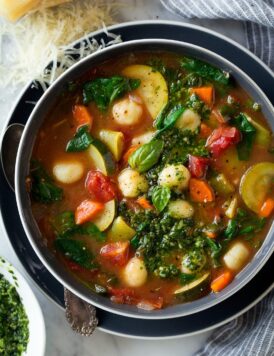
{"points": [[87, 210], [99, 186], [82, 116], [222, 138], [116, 252], [197, 166]]}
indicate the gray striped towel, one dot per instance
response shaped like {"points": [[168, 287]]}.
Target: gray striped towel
{"points": [[258, 17], [252, 334]]}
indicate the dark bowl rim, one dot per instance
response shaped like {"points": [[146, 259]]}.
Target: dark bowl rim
{"points": [[48, 261]]}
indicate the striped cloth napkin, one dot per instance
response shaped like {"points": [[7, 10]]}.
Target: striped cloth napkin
{"points": [[258, 17], [252, 334]]}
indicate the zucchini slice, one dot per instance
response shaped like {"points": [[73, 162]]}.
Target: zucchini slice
{"points": [[153, 88], [101, 158], [263, 136], [192, 286], [256, 183], [105, 218], [114, 140], [120, 230]]}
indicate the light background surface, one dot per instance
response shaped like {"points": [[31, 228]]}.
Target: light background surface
{"points": [[61, 340]]}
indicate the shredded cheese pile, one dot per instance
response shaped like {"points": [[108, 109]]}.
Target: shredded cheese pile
{"points": [[43, 36]]}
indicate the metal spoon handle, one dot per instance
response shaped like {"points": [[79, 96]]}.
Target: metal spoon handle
{"points": [[80, 315]]}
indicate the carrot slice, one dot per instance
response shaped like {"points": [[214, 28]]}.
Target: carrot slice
{"points": [[144, 203], [82, 116], [87, 210], [211, 234], [129, 152], [200, 191], [205, 130], [206, 94], [267, 208], [221, 281]]}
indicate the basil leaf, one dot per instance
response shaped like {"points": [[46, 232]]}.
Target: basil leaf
{"points": [[146, 156], [205, 70], [248, 136], [81, 140], [64, 227], [171, 118], [76, 251], [160, 197], [43, 189], [103, 91]]}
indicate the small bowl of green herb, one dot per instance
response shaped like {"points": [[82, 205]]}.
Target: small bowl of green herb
{"points": [[22, 328]]}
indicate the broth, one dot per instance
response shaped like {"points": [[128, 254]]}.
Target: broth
{"points": [[172, 145]]}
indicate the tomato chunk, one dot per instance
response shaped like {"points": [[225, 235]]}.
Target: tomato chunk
{"points": [[87, 210], [222, 138], [99, 186], [116, 252], [197, 166]]}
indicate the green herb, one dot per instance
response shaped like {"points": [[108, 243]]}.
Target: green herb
{"points": [[146, 156], [160, 197], [171, 118], [64, 227], [43, 189], [103, 91], [243, 224], [76, 251], [167, 271], [135, 242], [14, 323], [205, 70], [193, 102], [186, 278], [248, 131], [81, 140]]}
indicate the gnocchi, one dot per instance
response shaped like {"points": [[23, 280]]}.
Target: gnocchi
{"points": [[189, 120], [132, 183], [144, 138], [127, 112], [135, 272], [236, 256], [174, 176], [68, 172]]}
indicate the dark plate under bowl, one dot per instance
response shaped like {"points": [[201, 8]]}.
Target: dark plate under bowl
{"points": [[194, 34]]}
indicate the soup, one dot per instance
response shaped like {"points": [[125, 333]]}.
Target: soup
{"points": [[152, 179]]}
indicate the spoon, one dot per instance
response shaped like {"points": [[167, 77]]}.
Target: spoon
{"points": [[80, 315]]}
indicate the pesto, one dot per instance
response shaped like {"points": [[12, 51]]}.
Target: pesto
{"points": [[14, 331]]}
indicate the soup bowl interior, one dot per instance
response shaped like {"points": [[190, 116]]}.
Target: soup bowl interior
{"points": [[35, 121]]}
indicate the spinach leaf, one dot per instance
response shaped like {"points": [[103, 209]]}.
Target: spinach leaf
{"points": [[248, 136], [92, 230], [43, 189], [173, 116], [205, 70], [64, 227], [64, 224], [231, 230], [76, 251], [81, 140], [146, 156], [103, 91], [161, 117], [186, 278], [244, 223], [160, 197]]}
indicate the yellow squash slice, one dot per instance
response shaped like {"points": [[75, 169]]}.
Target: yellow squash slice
{"points": [[153, 88]]}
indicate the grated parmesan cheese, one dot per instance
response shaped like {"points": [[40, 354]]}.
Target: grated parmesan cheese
{"points": [[43, 36]]}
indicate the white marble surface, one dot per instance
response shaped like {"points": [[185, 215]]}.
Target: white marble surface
{"points": [[61, 341]]}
